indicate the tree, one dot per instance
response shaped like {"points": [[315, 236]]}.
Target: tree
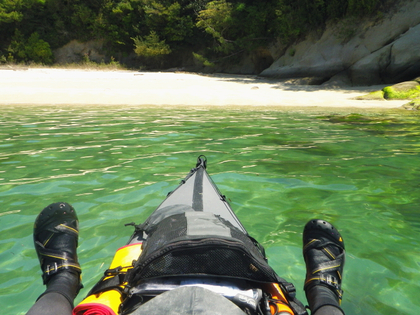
{"points": [[32, 49], [167, 19], [216, 20], [151, 48], [10, 11]]}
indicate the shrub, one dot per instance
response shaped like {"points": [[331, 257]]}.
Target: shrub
{"points": [[38, 50], [31, 49], [151, 46]]}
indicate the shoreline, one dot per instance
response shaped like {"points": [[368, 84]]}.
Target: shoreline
{"points": [[55, 86]]}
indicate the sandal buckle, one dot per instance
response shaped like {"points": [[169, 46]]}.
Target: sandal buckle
{"points": [[51, 269], [330, 280]]}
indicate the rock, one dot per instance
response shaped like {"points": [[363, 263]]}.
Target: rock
{"points": [[403, 90], [413, 105], [417, 79], [405, 86], [395, 62], [306, 81], [340, 80], [375, 52], [310, 58], [245, 66], [373, 96], [386, 31], [277, 49], [250, 63], [368, 70], [76, 51], [405, 57], [261, 58]]}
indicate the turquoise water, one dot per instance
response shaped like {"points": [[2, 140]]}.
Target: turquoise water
{"points": [[278, 168]]}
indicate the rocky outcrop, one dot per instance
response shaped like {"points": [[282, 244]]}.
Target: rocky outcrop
{"points": [[413, 105], [402, 91], [76, 51], [357, 53], [408, 90]]}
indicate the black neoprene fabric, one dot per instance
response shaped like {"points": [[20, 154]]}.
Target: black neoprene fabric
{"points": [[51, 303]]}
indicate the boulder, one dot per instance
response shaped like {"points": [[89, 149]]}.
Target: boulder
{"points": [[395, 62], [314, 57], [368, 70], [375, 52], [306, 81], [403, 90], [413, 105], [405, 86], [261, 59], [340, 80], [405, 57], [373, 96], [76, 51], [381, 33]]}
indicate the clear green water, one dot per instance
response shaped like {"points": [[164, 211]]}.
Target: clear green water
{"points": [[278, 168]]}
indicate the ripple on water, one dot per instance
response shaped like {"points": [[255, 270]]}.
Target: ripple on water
{"points": [[278, 169]]}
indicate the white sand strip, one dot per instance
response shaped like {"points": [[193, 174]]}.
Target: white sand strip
{"points": [[85, 87]]}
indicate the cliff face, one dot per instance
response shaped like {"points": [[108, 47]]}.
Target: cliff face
{"points": [[357, 52]]}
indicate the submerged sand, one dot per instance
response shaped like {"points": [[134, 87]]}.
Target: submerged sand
{"points": [[89, 87]]}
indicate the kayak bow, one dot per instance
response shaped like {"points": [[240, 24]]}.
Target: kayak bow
{"points": [[193, 242], [199, 192]]}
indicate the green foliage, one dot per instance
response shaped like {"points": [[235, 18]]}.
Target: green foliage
{"points": [[151, 46], [347, 28], [415, 102], [38, 50], [391, 93], [220, 28], [32, 49], [358, 7], [292, 52], [203, 60], [82, 16], [216, 20], [372, 96], [9, 11], [167, 19]]}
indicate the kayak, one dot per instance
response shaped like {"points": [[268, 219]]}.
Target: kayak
{"points": [[192, 255]]}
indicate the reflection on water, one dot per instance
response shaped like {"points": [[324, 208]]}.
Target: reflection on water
{"points": [[279, 169]]}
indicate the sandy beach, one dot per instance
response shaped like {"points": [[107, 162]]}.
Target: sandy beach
{"points": [[39, 86]]}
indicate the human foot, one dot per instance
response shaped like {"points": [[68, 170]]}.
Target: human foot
{"points": [[56, 232], [324, 253]]}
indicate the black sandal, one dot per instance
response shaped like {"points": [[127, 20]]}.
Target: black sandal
{"points": [[324, 253], [56, 233]]}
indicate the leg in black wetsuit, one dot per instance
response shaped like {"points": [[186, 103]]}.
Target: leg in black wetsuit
{"points": [[56, 233], [323, 250], [59, 296]]}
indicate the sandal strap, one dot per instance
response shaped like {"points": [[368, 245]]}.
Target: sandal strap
{"points": [[327, 279], [318, 243], [332, 265], [61, 261], [322, 275], [63, 228], [56, 260]]}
